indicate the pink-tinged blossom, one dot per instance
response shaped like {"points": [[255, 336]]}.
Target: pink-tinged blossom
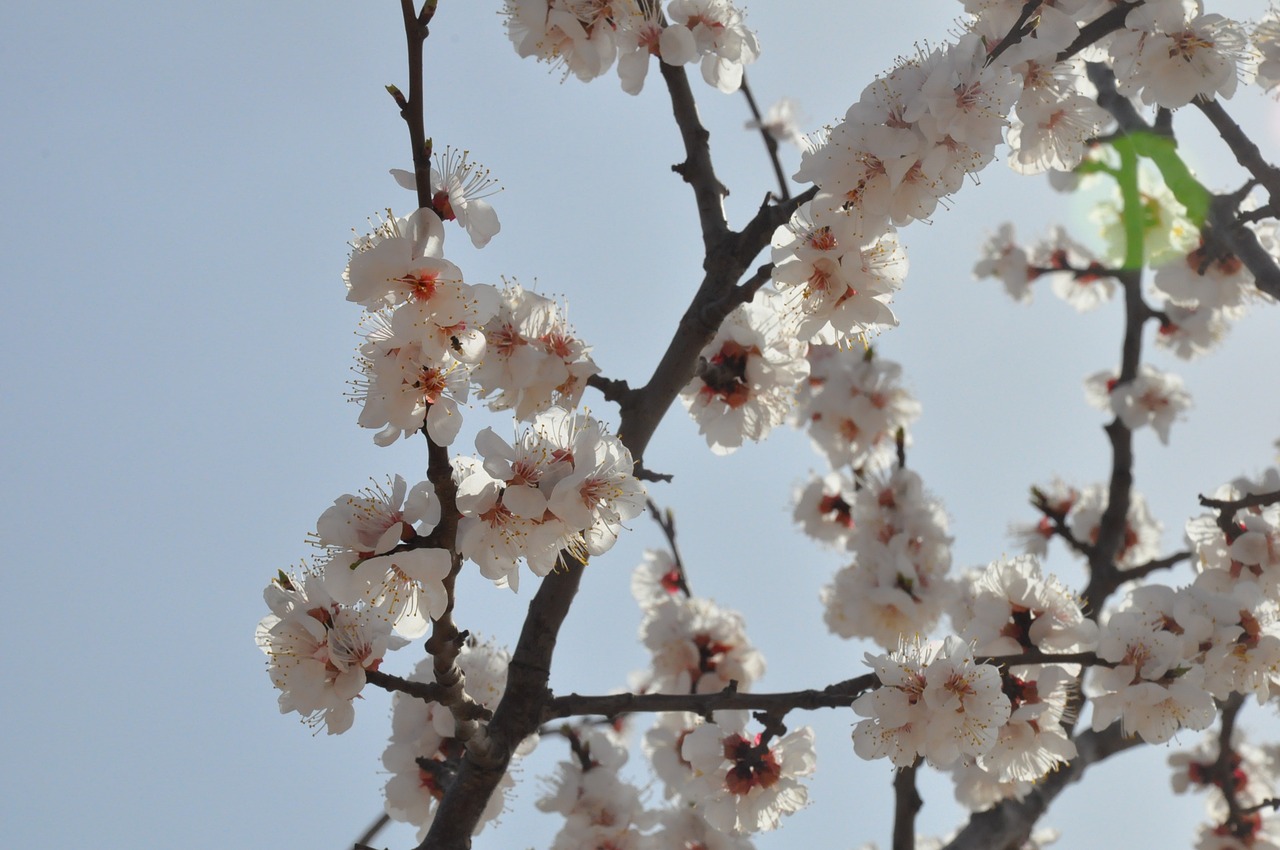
{"points": [[1266, 43], [780, 122], [422, 755], [1033, 742], [854, 405], [402, 261], [601, 810], [1033, 538], [532, 359], [689, 830], [824, 509], [565, 484], [836, 283], [1199, 277], [697, 647], [576, 35], [1011, 607], [459, 188], [741, 782], [747, 376], [721, 37], [656, 579], [933, 701], [1004, 259], [1153, 398], [318, 651], [643, 35], [1154, 689], [897, 584], [360, 532], [1074, 275], [1168, 57], [406, 385]]}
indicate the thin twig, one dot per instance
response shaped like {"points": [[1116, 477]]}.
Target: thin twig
{"points": [[770, 143]]}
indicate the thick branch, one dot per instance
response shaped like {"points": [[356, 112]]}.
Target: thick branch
{"points": [[1009, 824], [696, 169], [906, 802]]}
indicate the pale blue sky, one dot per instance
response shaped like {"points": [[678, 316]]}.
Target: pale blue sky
{"points": [[179, 184]]}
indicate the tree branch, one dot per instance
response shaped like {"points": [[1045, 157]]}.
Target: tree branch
{"points": [[697, 169], [1008, 825], [906, 802]]}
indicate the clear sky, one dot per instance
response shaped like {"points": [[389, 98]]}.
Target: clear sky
{"points": [[179, 184]]}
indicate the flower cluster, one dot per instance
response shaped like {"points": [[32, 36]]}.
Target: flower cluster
{"points": [[854, 407], [423, 753], [736, 781], [425, 329], [897, 584], [697, 646], [1250, 775], [318, 651], [374, 552], [566, 484], [533, 361], [600, 808], [587, 36], [747, 376], [934, 702]]}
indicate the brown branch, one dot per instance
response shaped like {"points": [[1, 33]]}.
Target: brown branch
{"points": [[611, 389], [1222, 771], [1227, 509], [906, 802], [446, 639], [1104, 575], [1009, 824], [697, 170], [839, 695], [1246, 152]]}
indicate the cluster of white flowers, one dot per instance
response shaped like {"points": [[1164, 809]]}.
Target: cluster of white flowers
{"points": [[423, 753], [854, 407], [1074, 274], [734, 780], [835, 280], [897, 585], [532, 361], [587, 36], [747, 376], [697, 646], [365, 561], [1140, 542], [318, 651], [426, 329], [600, 808], [565, 484], [934, 702]]}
